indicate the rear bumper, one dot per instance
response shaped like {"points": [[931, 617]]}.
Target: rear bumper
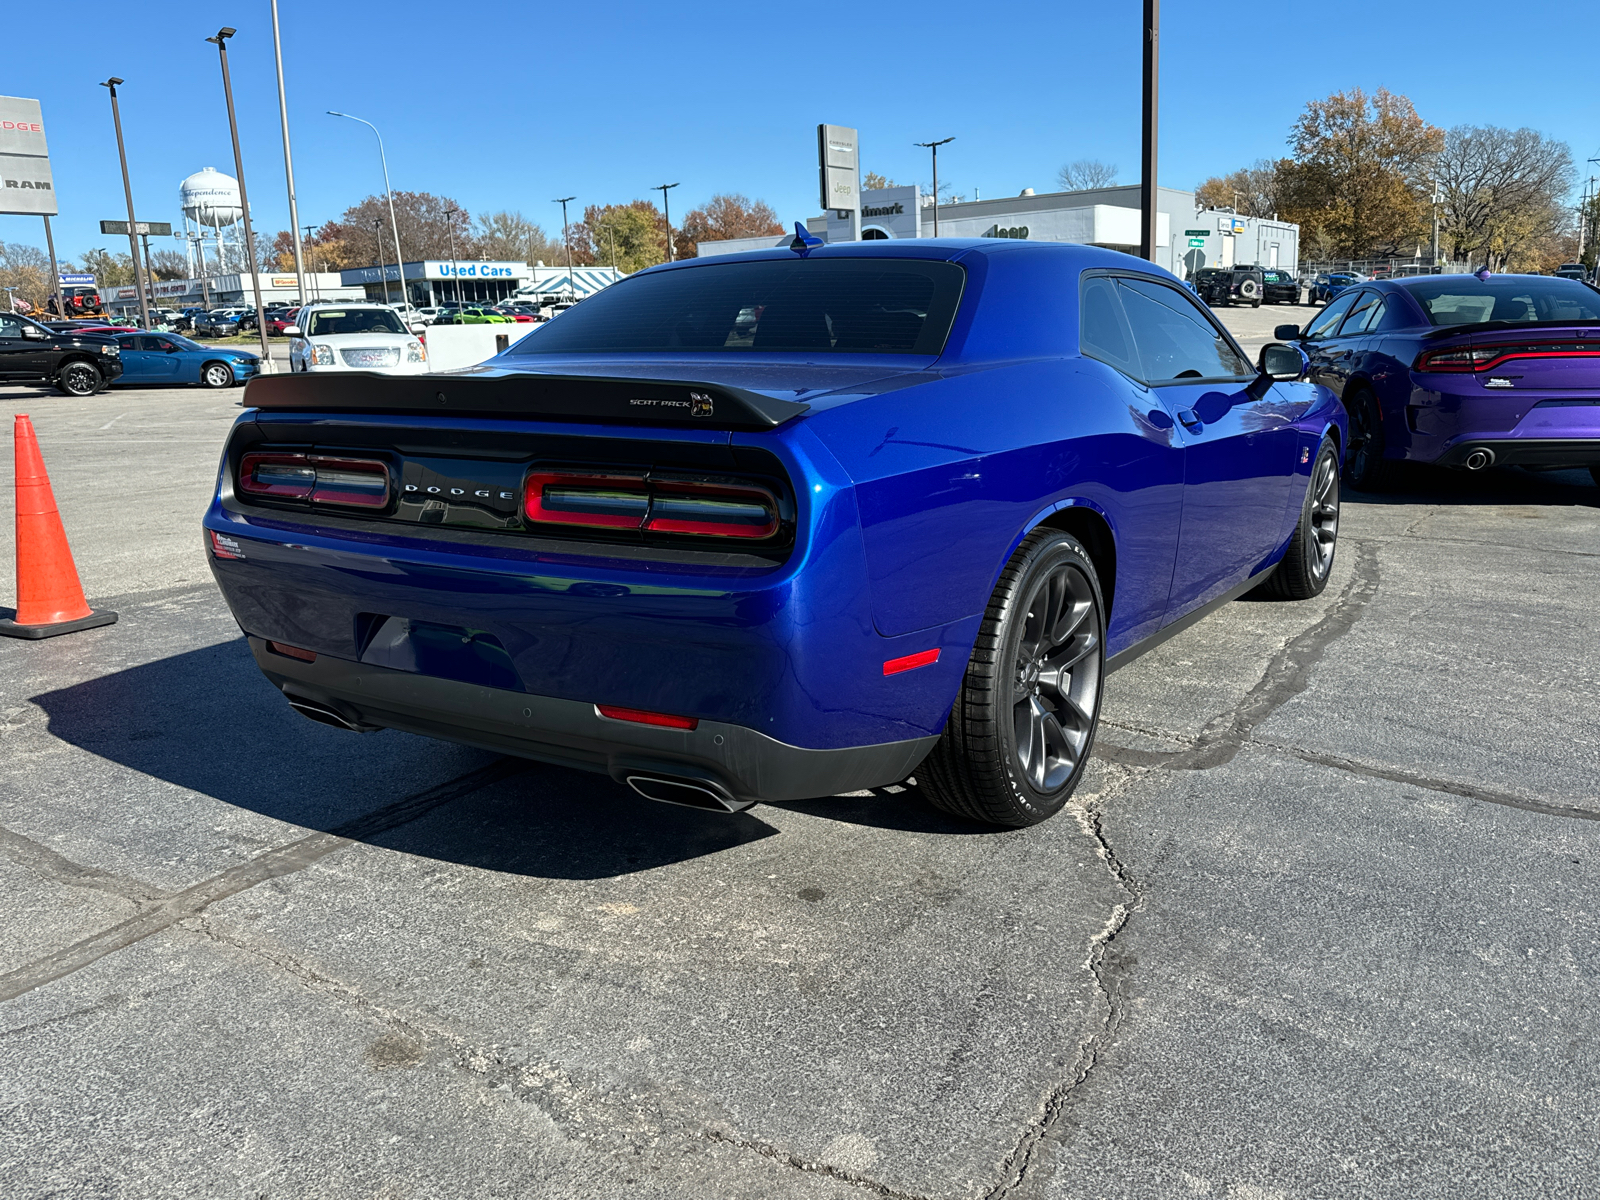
{"points": [[1525, 452], [749, 765]]}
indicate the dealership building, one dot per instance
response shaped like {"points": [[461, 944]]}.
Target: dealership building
{"points": [[1186, 238], [231, 291], [441, 281]]}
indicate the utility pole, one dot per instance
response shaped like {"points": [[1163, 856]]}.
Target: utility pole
{"points": [[934, 146], [308, 229], [383, 263], [663, 188], [288, 160], [55, 271], [567, 239], [389, 191], [221, 43], [455, 270], [127, 190], [1147, 155]]}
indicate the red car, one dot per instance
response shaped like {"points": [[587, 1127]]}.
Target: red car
{"points": [[519, 315], [278, 322]]}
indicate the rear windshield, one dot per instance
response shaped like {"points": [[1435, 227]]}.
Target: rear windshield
{"points": [[828, 306], [325, 322], [1463, 300]]}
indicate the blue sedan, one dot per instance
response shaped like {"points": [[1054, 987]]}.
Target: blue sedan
{"points": [[783, 524], [149, 358]]}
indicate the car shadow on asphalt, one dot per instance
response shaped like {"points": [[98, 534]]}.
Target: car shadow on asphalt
{"points": [[205, 720], [1419, 483]]}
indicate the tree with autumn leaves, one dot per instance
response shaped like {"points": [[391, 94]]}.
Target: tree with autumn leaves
{"points": [[1363, 170]]}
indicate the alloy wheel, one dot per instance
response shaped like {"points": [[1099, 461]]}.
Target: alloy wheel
{"points": [[218, 376], [1056, 683], [1324, 516], [80, 379]]}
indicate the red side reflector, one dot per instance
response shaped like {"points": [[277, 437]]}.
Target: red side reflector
{"points": [[292, 652], [910, 662], [641, 717]]}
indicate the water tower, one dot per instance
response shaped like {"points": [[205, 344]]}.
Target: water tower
{"points": [[210, 200]]}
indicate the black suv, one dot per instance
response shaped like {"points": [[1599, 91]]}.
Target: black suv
{"points": [[1229, 285], [1279, 286], [80, 364]]}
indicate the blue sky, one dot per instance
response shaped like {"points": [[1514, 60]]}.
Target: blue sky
{"points": [[507, 106]]}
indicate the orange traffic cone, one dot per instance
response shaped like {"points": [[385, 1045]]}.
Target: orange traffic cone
{"points": [[49, 596]]}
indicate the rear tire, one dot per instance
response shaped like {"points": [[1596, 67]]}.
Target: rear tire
{"points": [[1364, 466], [1308, 562], [1020, 732], [80, 379]]}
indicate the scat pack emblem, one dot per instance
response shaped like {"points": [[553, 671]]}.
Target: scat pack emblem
{"points": [[699, 404]]}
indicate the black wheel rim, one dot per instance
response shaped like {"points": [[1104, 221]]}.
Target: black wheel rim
{"points": [[80, 380], [1056, 681], [1324, 531]]}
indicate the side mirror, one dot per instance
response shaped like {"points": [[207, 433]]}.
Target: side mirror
{"points": [[1286, 333], [291, 331], [1279, 361]]}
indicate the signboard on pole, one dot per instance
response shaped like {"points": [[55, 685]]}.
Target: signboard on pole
{"points": [[26, 186], [151, 228], [839, 166]]}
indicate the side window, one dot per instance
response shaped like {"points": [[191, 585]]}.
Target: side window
{"points": [[1103, 331], [1328, 319], [1361, 315], [128, 342], [10, 327], [1395, 315], [159, 343], [1175, 338]]}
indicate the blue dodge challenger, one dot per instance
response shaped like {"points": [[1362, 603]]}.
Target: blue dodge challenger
{"points": [[783, 524], [169, 358]]}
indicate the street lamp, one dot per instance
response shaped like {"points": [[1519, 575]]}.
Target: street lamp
{"points": [[664, 188], [567, 239], [393, 224], [455, 271], [221, 43], [288, 161], [383, 263], [934, 146], [127, 190]]}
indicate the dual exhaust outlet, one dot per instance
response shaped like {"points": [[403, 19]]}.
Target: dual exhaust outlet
{"points": [[705, 794]]}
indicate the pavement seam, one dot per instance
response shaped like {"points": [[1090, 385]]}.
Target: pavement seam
{"points": [[47, 864], [1021, 1161], [270, 864], [865, 1182], [1285, 677], [1432, 784]]}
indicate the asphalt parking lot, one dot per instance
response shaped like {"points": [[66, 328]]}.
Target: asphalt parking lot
{"points": [[1324, 920]]}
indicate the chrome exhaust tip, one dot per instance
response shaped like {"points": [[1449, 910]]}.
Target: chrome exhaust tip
{"points": [[1479, 459], [326, 714], [704, 794]]}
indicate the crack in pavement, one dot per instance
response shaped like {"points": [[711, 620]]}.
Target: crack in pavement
{"points": [[47, 864], [270, 864], [1285, 677], [1110, 981]]}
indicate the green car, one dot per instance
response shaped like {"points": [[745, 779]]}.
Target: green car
{"points": [[474, 316]]}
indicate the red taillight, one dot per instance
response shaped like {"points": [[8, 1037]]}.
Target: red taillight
{"points": [[641, 717], [1464, 359], [352, 482], [708, 508], [910, 662], [292, 652]]}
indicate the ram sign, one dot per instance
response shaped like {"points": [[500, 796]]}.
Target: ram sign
{"points": [[26, 185]]}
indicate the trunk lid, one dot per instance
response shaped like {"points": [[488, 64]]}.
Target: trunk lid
{"points": [[1527, 357]]}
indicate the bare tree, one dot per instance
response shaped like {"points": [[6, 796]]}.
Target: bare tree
{"points": [[1250, 191], [168, 264], [1504, 193], [510, 236], [1085, 173]]}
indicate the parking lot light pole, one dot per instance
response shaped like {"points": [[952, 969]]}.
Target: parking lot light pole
{"points": [[288, 161], [666, 212], [455, 270], [307, 230], [383, 262], [389, 191], [127, 190], [566, 238], [221, 43], [934, 146], [1147, 156]]}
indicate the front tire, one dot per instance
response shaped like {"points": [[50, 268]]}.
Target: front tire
{"points": [[80, 379], [1308, 562], [216, 375], [1364, 466], [1019, 735]]}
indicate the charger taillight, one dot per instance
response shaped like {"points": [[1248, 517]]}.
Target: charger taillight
{"points": [[1466, 359], [319, 478], [650, 503]]}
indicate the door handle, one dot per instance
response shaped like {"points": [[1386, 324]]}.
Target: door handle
{"points": [[1190, 419]]}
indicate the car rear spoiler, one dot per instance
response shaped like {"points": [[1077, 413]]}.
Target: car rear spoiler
{"points": [[501, 393], [1444, 331]]}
